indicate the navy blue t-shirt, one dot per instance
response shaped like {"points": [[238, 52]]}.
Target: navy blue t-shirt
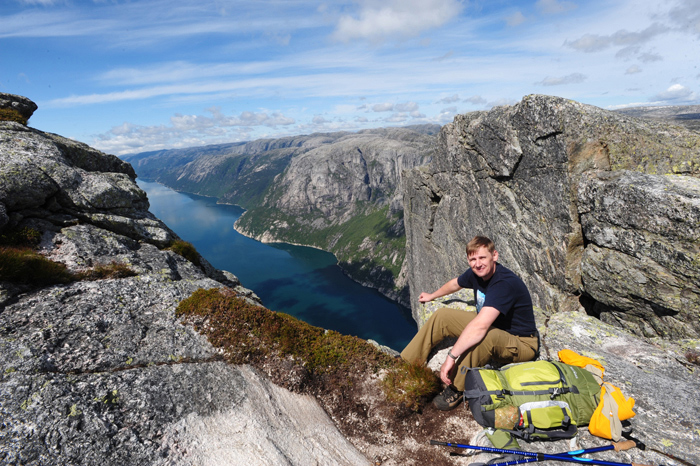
{"points": [[506, 292]]}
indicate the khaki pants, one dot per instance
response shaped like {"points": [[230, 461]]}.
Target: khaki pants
{"points": [[497, 345]]}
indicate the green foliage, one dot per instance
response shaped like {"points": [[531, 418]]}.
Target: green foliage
{"points": [[410, 385], [343, 240], [24, 265], [250, 334], [10, 114], [101, 272], [20, 263], [186, 250], [23, 237]]}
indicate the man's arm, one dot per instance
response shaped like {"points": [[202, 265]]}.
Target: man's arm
{"points": [[448, 288], [471, 336]]}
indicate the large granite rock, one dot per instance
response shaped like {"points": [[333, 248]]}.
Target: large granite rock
{"points": [[25, 107], [656, 373], [102, 372], [593, 209]]}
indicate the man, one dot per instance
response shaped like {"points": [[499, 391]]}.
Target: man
{"points": [[503, 327]]}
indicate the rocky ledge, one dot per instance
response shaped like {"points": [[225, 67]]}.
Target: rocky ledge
{"points": [[103, 372]]}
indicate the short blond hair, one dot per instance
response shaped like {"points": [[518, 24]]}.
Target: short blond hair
{"points": [[478, 242]]}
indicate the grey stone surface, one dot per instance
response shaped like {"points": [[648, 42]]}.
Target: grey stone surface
{"points": [[102, 372], [655, 373], [21, 104], [563, 188]]}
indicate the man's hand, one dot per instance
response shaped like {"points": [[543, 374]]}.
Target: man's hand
{"points": [[425, 297], [445, 370]]}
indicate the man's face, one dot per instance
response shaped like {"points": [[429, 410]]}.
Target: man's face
{"points": [[483, 262]]}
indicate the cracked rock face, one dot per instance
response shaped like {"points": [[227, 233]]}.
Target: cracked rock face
{"points": [[102, 372], [595, 210]]}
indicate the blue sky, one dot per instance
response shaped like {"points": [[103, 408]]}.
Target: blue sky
{"points": [[136, 75]]}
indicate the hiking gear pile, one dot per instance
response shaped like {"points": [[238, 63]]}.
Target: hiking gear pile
{"points": [[546, 400]]}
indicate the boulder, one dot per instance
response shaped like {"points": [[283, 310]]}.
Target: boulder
{"points": [[103, 372], [563, 188], [656, 373], [20, 104]]}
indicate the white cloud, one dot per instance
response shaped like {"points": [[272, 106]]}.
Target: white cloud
{"points": [[650, 57], [475, 100], [554, 6], [634, 69], [515, 19], [188, 131], [449, 99], [595, 43], [385, 107], [573, 78], [675, 95], [378, 20], [686, 16], [406, 107]]}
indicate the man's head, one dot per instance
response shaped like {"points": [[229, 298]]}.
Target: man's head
{"points": [[482, 256]]}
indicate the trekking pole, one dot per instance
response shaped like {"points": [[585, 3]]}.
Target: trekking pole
{"points": [[535, 456], [617, 446]]}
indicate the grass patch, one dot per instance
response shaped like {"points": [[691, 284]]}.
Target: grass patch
{"points": [[102, 272], [23, 265], [23, 237], [251, 334], [411, 385], [10, 114], [186, 250]]}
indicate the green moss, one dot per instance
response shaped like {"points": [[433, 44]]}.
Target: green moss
{"points": [[24, 265], [10, 114], [28, 237], [186, 250], [249, 334]]}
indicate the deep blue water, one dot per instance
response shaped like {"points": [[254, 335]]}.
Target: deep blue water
{"points": [[301, 281]]}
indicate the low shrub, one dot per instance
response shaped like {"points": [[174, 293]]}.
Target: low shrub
{"points": [[186, 250], [101, 272], [23, 265], [411, 385], [10, 114], [248, 334], [23, 237]]}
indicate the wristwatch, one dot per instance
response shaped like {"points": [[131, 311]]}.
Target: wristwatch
{"points": [[449, 353]]}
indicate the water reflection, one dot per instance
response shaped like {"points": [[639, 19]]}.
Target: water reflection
{"points": [[304, 282]]}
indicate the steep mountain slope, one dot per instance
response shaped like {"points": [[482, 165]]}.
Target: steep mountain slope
{"points": [[336, 191]]}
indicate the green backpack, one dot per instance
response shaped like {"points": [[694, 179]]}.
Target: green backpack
{"points": [[537, 400]]}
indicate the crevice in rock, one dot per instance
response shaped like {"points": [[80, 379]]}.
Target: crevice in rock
{"points": [[215, 358]]}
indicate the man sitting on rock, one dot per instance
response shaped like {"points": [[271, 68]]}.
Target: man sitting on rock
{"points": [[503, 328]]}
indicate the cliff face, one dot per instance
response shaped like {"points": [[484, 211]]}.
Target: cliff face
{"points": [[337, 191], [593, 209], [102, 372], [344, 197]]}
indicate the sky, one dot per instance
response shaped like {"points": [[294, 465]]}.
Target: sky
{"points": [[128, 76]]}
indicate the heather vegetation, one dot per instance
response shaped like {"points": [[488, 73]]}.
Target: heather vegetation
{"points": [[9, 114], [21, 263], [186, 250], [250, 334]]}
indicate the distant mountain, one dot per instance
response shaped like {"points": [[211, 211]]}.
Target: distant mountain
{"points": [[686, 115], [335, 191]]}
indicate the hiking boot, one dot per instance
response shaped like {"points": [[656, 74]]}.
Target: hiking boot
{"points": [[448, 399]]}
